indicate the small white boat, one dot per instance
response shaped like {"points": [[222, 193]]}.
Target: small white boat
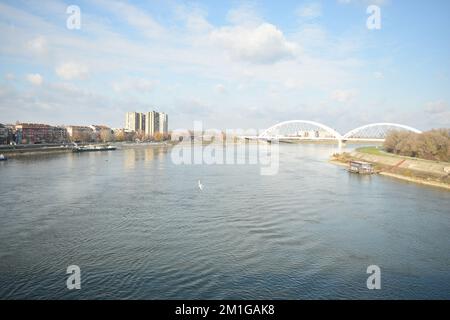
{"points": [[3, 158]]}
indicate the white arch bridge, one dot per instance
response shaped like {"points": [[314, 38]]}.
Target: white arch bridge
{"points": [[310, 130]]}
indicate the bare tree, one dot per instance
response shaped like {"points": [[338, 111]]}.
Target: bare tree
{"points": [[431, 145], [106, 135]]}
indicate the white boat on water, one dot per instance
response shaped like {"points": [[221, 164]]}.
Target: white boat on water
{"points": [[93, 148]]}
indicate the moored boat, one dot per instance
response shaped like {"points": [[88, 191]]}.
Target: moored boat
{"points": [[361, 167], [93, 148]]}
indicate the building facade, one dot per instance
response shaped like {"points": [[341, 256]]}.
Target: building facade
{"points": [[135, 121], [80, 133], [6, 135], [121, 134], [150, 123], [102, 133], [32, 133], [163, 123]]}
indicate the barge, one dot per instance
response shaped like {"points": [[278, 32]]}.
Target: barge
{"points": [[361, 167], [91, 148]]}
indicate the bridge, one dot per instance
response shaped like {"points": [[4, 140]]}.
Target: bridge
{"points": [[315, 131]]}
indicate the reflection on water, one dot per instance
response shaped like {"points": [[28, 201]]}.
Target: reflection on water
{"points": [[139, 227], [147, 154]]}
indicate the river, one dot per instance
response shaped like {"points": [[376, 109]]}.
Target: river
{"points": [[139, 227]]}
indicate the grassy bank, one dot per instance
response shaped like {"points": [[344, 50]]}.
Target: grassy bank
{"points": [[372, 150]]}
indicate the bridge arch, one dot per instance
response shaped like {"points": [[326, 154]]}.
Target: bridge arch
{"points": [[293, 127], [376, 131]]}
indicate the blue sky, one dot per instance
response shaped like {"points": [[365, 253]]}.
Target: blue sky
{"points": [[230, 64]]}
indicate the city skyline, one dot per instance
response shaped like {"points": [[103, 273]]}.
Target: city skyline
{"points": [[148, 123], [231, 65], [307, 156]]}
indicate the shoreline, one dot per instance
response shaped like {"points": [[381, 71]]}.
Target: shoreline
{"points": [[422, 177], [417, 180], [36, 150], [382, 163], [17, 153]]}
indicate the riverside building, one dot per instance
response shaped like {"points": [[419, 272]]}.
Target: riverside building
{"points": [[32, 133], [135, 121], [150, 123]]}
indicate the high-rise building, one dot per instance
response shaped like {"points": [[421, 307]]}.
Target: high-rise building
{"points": [[131, 121], [163, 123], [156, 122], [151, 123], [135, 121], [141, 122]]}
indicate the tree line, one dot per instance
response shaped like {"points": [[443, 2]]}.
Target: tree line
{"points": [[430, 145]]}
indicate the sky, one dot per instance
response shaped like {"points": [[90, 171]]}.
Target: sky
{"points": [[229, 64]]}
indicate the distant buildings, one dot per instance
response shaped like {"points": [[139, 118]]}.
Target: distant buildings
{"points": [[102, 133], [163, 123], [121, 134], [149, 123], [152, 123], [6, 134], [37, 133], [312, 134], [138, 125], [80, 133], [99, 128], [90, 133], [135, 121], [32, 133]]}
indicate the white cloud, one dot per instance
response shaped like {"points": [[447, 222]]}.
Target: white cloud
{"points": [[194, 55], [220, 88], [438, 113], [310, 11], [378, 75], [436, 107], [38, 45], [364, 2], [135, 17], [194, 108], [72, 70], [244, 15], [53, 103], [136, 85], [263, 44], [195, 19], [343, 95], [10, 76], [35, 79]]}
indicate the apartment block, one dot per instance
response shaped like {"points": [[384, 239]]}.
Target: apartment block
{"points": [[135, 121], [32, 133]]}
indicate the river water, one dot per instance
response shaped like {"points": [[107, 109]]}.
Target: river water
{"points": [[139, 227]]}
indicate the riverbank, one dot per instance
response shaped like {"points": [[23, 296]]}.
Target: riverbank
{"points": [[431, 173], [20, 151], [38, 149]]}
